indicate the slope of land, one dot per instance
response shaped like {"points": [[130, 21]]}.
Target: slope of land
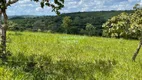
{"points": [[60, 56]]}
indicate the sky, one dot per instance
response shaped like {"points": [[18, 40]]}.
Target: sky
{"points": [[27, 7]]}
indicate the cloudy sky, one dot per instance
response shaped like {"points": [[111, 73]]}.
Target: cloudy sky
{"points": [[26, 7]]}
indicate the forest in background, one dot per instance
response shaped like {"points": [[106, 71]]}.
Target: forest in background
{"points": [[82, 23]]}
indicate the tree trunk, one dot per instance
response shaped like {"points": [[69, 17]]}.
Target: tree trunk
{"points": [[137, 50], [4, 29], [3, 37], [3, 41]]}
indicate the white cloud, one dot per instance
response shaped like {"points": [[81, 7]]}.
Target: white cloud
{"points": [[98, 5], [26, 7], [23, 1], [39, 9]]}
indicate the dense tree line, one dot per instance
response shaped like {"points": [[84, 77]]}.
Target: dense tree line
{"points": [[84, 23]]}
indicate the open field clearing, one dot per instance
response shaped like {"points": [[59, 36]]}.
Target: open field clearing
{"points": [[45, 56]]}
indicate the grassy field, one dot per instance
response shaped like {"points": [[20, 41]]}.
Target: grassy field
{"points": [[46, 56]]}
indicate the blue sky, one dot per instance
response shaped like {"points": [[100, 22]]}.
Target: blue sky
{"points": [[26, 7]]}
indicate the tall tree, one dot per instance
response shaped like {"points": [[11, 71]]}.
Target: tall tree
{"points": [[66, 23], [56, 6], [137, 26]]}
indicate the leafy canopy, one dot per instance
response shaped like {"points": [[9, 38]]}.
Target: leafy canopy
{"points": [[124, 25], [117, 26]]}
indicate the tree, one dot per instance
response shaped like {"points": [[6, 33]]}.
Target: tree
{"points": [[56, 6], [136, 27], [90, 29], [66, 24], [117, 26], [137, 7], [129, 25], [12, 25], [39, 25]]}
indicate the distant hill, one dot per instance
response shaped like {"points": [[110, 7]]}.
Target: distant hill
{"points": [[53, 23], [21, 16], [105, 14]]}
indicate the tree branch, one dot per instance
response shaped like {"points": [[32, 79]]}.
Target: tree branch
{"points": [[11, 2]]}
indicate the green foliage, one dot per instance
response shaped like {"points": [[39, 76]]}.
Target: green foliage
{"points": [[13, 26], [78, 22], [39, 25], [124, 26], [90, 29], [136, 24], [66, 23], [117, 26]]}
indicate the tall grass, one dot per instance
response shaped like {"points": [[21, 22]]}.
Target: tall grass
{"points": [[42, 56]]}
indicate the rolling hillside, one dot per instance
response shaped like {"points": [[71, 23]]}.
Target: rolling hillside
{"points": [[60, 56], [79, 20]]}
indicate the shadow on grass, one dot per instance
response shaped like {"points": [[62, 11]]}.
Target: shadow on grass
{"points": [[42, 67]]}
